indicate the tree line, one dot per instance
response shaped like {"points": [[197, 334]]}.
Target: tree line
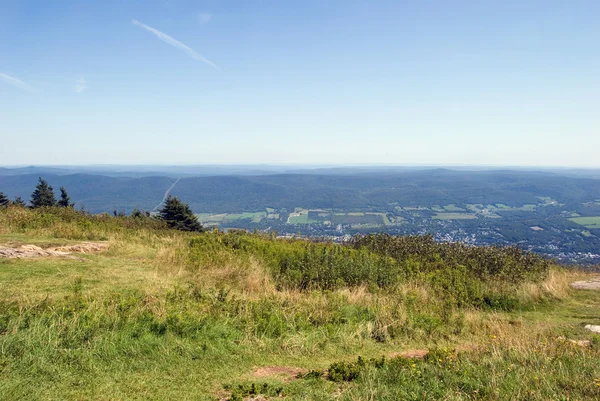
{"points": [[175, 213]]}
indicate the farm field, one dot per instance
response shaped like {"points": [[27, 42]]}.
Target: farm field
{"points": [[216, 219], [453, 208], [588, 222]]}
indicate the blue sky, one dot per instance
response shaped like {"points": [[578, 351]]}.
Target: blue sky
{"points": [[300, 82]]}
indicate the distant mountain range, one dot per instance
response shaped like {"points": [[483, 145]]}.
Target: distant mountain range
{"points": [[347, 188], [251, 170]]}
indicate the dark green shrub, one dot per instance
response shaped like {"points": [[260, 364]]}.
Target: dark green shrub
{"points": [[509, 264], [311, 374], [458, 274], [343, 371], [242, 391]]}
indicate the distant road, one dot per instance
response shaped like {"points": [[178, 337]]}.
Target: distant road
{"points": [[166, 195]]}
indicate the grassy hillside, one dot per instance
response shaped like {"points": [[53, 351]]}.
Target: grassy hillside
{"points": [[169, 315]]}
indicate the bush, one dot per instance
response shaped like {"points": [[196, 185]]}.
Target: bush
{"points": [[459, 275], [510, 264]]}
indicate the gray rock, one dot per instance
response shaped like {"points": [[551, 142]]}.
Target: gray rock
{"points": [[591, 327], [593, 284]]}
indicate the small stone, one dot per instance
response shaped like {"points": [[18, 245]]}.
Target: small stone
{"points": [[593, 328]]}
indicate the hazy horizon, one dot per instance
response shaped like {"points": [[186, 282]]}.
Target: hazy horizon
{"points": [[303, 166], [339, 83]]}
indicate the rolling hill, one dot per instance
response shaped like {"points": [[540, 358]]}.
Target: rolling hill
{"points": [[363, 191]]}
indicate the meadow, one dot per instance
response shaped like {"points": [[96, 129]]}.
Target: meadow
{"points": [[169, 315], [588, 222]]}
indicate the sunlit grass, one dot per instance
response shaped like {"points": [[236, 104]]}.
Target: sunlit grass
{"points": [[144, 320]]}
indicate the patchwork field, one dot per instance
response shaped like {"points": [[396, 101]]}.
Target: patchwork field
{"points": [[588, 222]]}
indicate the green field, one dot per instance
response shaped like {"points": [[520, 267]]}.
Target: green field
{"points": [[210, 219], [453, 208], [300, 216], [588, 222], [454, 216], [355, 219], [300, 219]]}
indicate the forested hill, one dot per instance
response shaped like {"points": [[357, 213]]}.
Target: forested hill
{"points": [[363, 191], [96, 193]]}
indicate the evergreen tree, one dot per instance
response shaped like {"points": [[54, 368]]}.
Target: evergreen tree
{"points": [[178, 215], [65, 200], [19, 202], [138, 214], [3, 200], [43, 195]]}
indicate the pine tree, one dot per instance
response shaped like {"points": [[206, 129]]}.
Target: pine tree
{"points": [[3, 200], [138, 214], [178, 215], [43, 195], [19, 202], [65, 200]]}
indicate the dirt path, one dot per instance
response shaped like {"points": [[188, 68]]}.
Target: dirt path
{"points": [[593, 284]]}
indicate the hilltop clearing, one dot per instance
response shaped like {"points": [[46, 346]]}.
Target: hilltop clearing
{"points": [[163, 314]]}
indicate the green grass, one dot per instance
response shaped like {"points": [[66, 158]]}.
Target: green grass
{"points": [[454, 216], [301, 219], [170, 315], [453, 208], [256, 217], [588, 222], [211, 218]]}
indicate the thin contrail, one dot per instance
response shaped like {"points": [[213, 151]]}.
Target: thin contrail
{"points": [[175, 43], [16, 82]]}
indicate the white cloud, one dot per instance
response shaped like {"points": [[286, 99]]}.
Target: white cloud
{"points": [[16, 82], [175, 43], [80, 85], [204, 18]]}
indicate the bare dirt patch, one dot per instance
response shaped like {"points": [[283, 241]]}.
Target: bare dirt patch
{"points": [[413, 354], [593, 284], [34, 251], [286, 373], [85, 247]]}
